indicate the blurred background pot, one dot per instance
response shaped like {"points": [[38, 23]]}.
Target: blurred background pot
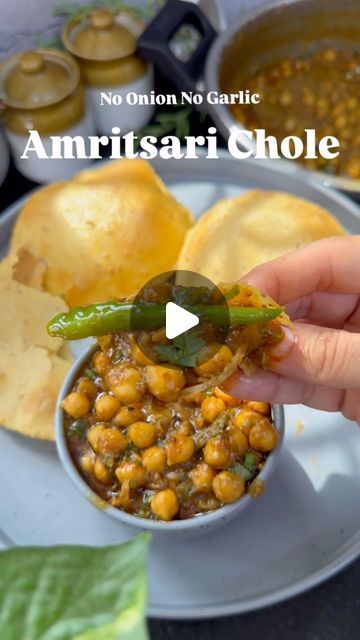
{"points": [[105, 46], [267, 34], [41, 90]]}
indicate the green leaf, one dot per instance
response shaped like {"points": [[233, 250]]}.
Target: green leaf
{"points": [[182, 351], [78, 428], [50, 43], [74, 592], [240, 470], [249, 461], [90, 373]]}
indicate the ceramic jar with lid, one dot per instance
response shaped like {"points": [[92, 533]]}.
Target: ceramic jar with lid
{"points": [[41, 91], [113, 73]]}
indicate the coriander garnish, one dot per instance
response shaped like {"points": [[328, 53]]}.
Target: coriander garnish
{"points": [[182, 350]]}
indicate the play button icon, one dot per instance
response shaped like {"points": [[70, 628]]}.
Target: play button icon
{"points": [[178, 320], [179, 316]]}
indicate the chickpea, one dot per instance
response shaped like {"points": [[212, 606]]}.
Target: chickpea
{"points": [[256, 488], [217, 453], [286, 68], [154, 459], [127, 415], [239, 443], [132, 471], [322, 106], [228, 487], [105, 341], [179, 448], [341, 122], [164, 383], [87, 462], [229, 400], [259, 407], [245, 419], [87, 387], [139, 356], [126, 384], [165, 504], [329, 55], [353, 168], [290, 124], [212, 407], [111, 441], [202, 476], [309, 98], [93, 435], [102, 473], [101, 363], [213, 358], [76, 404], [142, 434], [286, 98], [106, 406], [263, 436]]}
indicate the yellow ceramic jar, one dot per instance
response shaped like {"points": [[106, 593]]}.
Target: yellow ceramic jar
{"points": [[41, 91], [113, 73]]}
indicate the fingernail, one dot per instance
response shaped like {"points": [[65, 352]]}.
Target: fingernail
{"points": [[281, 349], [240, 382]]}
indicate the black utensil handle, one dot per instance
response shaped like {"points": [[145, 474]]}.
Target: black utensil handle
{"points": [[154, 42]]}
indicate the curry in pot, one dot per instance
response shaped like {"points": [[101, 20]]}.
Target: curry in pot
{"points": [[321, 92]]}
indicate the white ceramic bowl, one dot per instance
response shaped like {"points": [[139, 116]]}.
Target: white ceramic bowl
{"points": [[181, 528]]}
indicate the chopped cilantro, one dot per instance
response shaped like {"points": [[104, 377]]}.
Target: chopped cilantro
{"points": [[240, 470], [182, 350], [185, 296], [90, 373], [249, 461], [78, 429]]}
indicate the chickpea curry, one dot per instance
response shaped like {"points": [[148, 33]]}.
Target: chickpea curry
{"points": [[321, 92], [164, 441]]}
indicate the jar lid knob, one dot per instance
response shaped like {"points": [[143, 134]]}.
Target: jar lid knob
{"points": [[31, 62], [101, 19]]}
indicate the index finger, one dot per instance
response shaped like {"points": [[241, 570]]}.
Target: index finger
{"points": [[332, 265]]}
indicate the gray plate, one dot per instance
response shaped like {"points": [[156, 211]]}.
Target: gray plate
{"points": [[305, 528]]}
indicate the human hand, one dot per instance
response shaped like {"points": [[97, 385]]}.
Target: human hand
{"points": [[320, 362]]}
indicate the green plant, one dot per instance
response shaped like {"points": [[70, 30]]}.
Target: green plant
{"points": [[74, 592], [176, 121]]}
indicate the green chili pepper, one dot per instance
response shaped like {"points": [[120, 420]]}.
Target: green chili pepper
{"points": [[100, 319]]}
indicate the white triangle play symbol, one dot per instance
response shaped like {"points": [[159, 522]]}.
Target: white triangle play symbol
{"points": [[178, 320]]}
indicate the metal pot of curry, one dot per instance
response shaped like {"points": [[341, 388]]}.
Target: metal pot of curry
{"points": [[301, 57]]}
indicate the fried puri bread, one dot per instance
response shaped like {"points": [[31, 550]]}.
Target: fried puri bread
{"points": [[32, 365], [101, 235], [237, 234]]}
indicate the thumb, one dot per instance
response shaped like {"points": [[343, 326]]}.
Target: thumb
{"points": [[320, 356]]}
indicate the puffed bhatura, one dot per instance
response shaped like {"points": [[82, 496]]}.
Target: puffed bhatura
{"points": [[102, 234], [237, 234]]}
